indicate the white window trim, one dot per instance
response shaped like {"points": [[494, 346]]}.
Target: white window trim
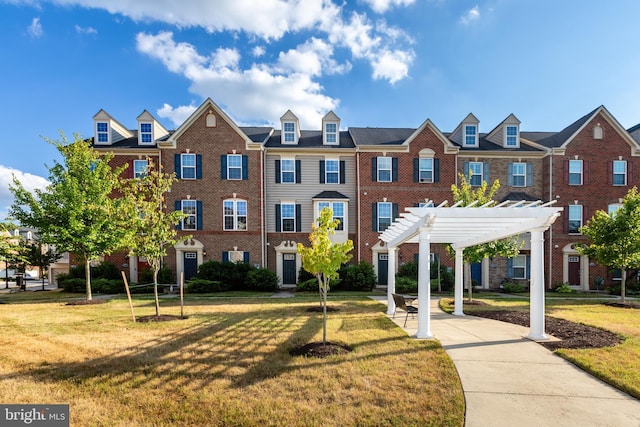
{"points": [[471, 174], [420, 170], [146, 168], [140, 133], [230, 168], [577, 161], [235, 215], [326, 171], [331, 203], [390, 214], [282, 217], [624, 174], [194, 215], [506, 136], [183, 167], [570, 219], [379, 169], [524, 174], [108, 133], [465, 134], [283, 171], [522, 266], [334, 133], [293, 133]]}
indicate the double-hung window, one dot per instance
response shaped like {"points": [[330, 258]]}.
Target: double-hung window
{"points": [[332, 171], [575, 218], [288, 216], [235, 215], [519, 170], [575, 172], [613, 207], [190, 210], [139, 168], [384, 169], [512, 136], [470, 135], [102, 131], [234, 166], [287, 171], [188, 166], [519, 267], [475, 173], [619, 172], [331, 133], [385, 212], [426, 170], [338, 212], [289, 132], [146, 133]]}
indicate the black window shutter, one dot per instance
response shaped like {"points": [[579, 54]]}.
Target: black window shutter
{"points": [[198, 166], [374, 169], [225, 256], [178, 207], [223, 166], [178, 169], [343, 170], [298, 172], [278, 218], [394, 169], [416, 170], [245, 256], [485, 172], [510, 174], [529, 174], [395, 208], [245, 167], [465, 169], [322, 172], [436, 170], [374, 216], [278, 172], [298, 218], [199, 214]]}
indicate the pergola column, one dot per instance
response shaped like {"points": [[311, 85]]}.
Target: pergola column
{"points": [[391, 279], [459, 277], [424, 285], [537, 325]]}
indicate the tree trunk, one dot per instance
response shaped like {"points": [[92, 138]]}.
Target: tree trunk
{"points": [[623, 284], [87, 277], [324, 313], [467, 280], [155, 291]]}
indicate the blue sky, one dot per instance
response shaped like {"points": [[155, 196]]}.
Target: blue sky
{"points": [[381, 63]]}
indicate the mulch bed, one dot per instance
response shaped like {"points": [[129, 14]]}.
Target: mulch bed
{"points": [[571, 335], [88, 302], [626, 304], [318, 309], [317, 349], [159, 318]]}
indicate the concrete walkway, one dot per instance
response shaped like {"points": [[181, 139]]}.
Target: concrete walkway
{"points": [[509, 380]]}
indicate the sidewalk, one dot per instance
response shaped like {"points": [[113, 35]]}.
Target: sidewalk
{"points": [[509, 380]]}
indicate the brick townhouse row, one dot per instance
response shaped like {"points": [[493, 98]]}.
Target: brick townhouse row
{"points": [[251, 193]]}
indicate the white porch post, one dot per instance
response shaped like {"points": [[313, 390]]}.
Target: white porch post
{"points": [[537, 327], [391, 279], [424, 285], [458, 305]]}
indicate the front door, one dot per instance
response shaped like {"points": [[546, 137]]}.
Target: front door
{"points": [[289, 269], [383, 269], [476, 273], [190, 265], [574, 270]]}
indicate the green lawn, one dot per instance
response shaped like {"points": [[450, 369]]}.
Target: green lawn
{"points": [[228, 363], [618, 365]]}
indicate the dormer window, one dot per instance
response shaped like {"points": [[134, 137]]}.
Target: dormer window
{"points": [[511, 136], [289, 130], [331, 133], [146, 133], [102, 132], [470, 135]]}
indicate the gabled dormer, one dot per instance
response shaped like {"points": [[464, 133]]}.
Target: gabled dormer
{"points": [[467, 132], [107, 130], [331, 129], [149, 129], [507, 133], [290, 128]]}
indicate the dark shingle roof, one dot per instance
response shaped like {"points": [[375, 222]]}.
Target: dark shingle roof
{"points": [[557, 139], [330, 195], [380, 136], [310, 139], [256, 133], [634, 128], [486, 145], [518, 196]]}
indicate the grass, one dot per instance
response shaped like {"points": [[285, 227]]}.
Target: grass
{"points": [[226, 364], [616, 365]]}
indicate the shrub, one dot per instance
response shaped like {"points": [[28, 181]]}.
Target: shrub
{"points": [[263, 279], [406, 285], [408, 269], [107, 286], [304, 275], [73, 284], [165, 276], [309, 285], [512, 288], [233, 275], [564, 288], [204, 286], [357, 277]]}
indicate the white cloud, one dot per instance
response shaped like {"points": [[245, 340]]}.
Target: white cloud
{"points": [[381, 6], [85, 30], [29, 182], [258, 51], [472, 15], [35, 29], [313, 58], [176, 115], [392, 65]]}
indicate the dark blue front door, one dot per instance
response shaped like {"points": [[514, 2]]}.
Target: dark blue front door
{"points": [[190, 265], [383, 269], [289, 269], [476, 273]]}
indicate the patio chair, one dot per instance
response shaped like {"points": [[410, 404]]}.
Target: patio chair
{"points": [[401, 303]]}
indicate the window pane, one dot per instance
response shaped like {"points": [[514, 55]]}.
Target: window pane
{"points": [[332, 171], [384, 169], [475, 171]]}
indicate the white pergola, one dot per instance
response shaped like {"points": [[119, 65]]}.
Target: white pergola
{"points": [[463, 227]]}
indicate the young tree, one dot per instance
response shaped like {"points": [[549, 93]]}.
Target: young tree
{"points": [[324, 257], [77, 212], [508, 248], [614, 239], [153, 228], [39, 255], [8, 248]]}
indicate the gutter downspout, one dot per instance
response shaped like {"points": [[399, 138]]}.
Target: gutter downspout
{"points": [[551, 227], [263, 229], [358, 207]]}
